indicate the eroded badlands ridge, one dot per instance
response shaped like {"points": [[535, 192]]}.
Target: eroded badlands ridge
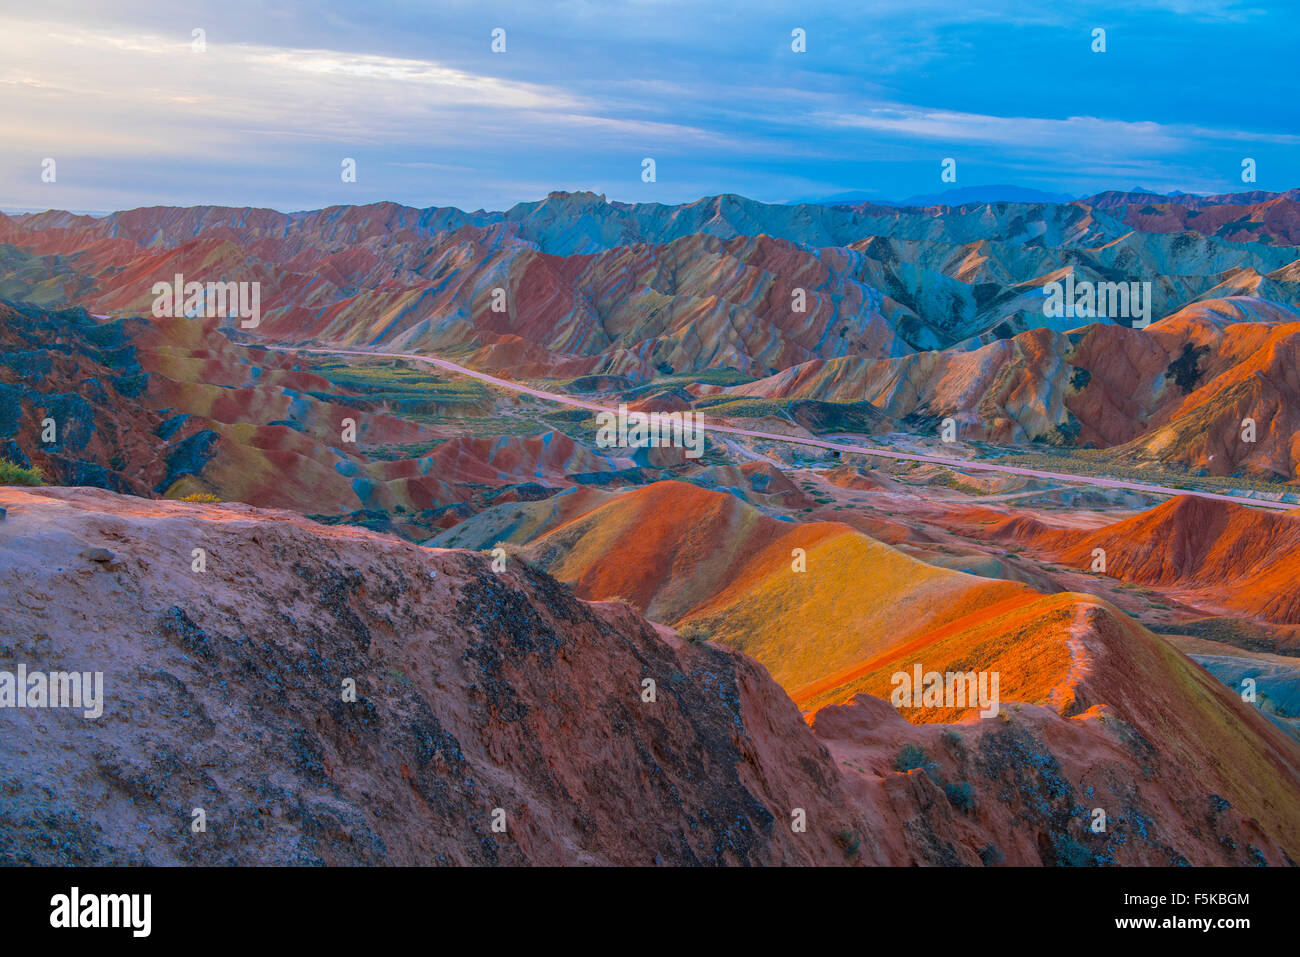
{"points": [[475, 691], [595, 286], [480, 690]]}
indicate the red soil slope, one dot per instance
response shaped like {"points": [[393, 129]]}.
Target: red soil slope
{"points": [[1224, 556]]}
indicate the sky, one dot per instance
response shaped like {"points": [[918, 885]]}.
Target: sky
{"points": [[266, 113]]}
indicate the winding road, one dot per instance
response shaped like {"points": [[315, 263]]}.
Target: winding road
{"points": [[840, 447]]}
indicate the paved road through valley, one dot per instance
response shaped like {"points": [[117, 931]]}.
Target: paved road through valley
{"points": [[840, 447]]}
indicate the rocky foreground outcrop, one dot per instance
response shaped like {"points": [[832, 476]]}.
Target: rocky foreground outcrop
{"points": [[475, 691], [498, 698]]}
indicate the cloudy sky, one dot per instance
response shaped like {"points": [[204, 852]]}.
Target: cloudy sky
{"points": [[264, 116]]}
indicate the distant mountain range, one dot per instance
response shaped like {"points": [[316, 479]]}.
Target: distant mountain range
{"points": [[601, 287], [958, 196], [968, 195]]}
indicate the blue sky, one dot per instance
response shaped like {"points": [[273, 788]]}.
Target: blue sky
{"points": [[115, 94]]}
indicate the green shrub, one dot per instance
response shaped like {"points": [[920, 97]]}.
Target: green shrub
{"points": [[694, 632], [11, 473], [849, 841], [910, 758], [961, 795], [990, 856]]}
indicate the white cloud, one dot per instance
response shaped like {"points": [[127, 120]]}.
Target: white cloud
{"points": [[172, 99], [1082, 133]]}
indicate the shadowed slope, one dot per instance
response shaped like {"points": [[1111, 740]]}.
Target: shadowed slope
{"points": [[475, 691]]}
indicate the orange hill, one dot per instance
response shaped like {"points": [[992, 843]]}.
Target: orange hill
{"points": [[687, 555], [1229, 557]]}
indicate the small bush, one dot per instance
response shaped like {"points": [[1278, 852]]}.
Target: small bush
{"points": [[990, 856], [961, 796], [11, 473], [201, 497], [910, 758], [1070, 853], [849, 841], [694, 632]]}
